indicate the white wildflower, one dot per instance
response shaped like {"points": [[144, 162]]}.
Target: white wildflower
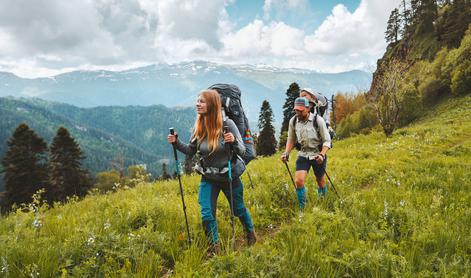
{"points": [[4, 268], [385, 212], [91, 240], [37, 223], [34, 271]]}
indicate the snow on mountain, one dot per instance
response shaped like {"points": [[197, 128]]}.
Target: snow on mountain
{"points": [[178, 84]]}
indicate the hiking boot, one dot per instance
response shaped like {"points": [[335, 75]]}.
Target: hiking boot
{"points": [[251, 238], [213, 250]]}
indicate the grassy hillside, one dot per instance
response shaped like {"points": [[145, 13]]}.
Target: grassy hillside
{"points": [[405, 211]]}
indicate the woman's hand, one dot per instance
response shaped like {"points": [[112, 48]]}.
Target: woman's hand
{"points": [[229, 137], [172, 138]]}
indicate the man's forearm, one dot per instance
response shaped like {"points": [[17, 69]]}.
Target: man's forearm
{"points": [[324, 150], [289, 146]]}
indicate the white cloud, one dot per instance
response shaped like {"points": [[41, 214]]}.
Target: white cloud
{"points": [[51, 36], [345, 33], [344, 41], [259, 40]]}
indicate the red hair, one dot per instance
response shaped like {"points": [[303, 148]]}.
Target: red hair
{"points": [[209, 125]]}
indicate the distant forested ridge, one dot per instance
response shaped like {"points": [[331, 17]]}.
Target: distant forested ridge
{"points": [[137, 133]]}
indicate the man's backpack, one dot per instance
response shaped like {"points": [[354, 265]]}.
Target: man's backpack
{"points": [[321, 108], [230, 98]]}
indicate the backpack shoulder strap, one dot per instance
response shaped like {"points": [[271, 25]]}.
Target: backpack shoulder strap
{"points": [[316, 125], [295, 121]]}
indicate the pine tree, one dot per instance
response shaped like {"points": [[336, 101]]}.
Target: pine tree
{"points": [[266, 140], [453, 23], [67, 177], [25, 166], [291, 94], [406, 17], [394, 25], [165, 174]]}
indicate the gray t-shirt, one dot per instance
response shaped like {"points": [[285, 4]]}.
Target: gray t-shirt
{"points": [[306, 134], [219, 157]]}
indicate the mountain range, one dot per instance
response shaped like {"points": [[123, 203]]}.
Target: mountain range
{"points": [[178, 84]]}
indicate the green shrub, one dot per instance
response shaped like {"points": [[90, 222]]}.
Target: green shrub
{"points": [[411, 106], [432, 91], [105, 181], [461, 79]]}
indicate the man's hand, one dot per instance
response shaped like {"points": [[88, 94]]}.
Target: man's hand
{"points": [[285, 157], [319, 158]]}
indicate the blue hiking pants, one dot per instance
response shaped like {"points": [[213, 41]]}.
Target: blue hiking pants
{"points": [[207, 198]]}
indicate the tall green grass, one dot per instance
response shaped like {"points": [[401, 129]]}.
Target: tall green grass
{"points": [[405, 210]]}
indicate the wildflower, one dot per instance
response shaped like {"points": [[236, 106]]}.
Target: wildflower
{"points": [[402, 203], [37, 223], [130, 236], [4, 268], [107, 225], [34, 271], [91, 240], [385, 212]]}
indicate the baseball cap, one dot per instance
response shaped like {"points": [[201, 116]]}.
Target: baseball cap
{"points": [[301, 102]]}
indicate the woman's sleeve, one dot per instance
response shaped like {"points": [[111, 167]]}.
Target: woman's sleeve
{"points": [[188, 149], [238, 144]]}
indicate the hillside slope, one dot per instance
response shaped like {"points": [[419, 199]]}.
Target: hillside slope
{"points": [[405, 211], [136, 132]]}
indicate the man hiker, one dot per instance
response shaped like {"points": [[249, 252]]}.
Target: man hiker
{"points": [[310, 130]]}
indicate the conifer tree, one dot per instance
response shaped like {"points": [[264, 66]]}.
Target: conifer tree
{"points": [[25, 166], [406, 17], [291, 94], [67, 177], [266, 140], [394, 26], [165, 174]]}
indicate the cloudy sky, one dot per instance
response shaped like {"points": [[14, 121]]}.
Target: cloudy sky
{"points": [[47, 37]]}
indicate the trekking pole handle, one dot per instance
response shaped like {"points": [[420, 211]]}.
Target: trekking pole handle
{"points": [[172, 132]]}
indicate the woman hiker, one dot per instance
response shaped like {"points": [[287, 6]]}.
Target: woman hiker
{"points": [[208, 139]]}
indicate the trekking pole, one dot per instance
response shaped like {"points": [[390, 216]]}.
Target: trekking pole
{"points": [[335, 190], [229, 173], [291, 176], [250, 179], [177, 168]]}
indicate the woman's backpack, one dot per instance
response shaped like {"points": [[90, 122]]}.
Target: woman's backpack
{"points": [[230, 98]]}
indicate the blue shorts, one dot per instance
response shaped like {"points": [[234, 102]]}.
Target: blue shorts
{"points": [[304, 164]]}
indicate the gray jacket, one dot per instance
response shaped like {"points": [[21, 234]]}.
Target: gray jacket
{"points": [[214, 166]]}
